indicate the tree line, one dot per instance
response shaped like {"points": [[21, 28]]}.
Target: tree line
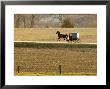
{"points": [[31, 20], [55, 20]]}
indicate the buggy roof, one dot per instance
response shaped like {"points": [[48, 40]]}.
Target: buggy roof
{"points": [[73, 33]]}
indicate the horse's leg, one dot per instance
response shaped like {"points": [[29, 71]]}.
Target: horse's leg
{"points": [[59, 39]]}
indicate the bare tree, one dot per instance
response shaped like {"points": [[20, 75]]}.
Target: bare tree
{"points": [[34, 20], [67, 23], [60, 17], [24, 20], [17, 21]]}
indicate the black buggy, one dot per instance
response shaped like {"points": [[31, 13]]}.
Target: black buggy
{"points": [[73, 37]]}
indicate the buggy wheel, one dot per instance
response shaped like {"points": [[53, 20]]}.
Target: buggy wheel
{"points": [[78, 40]]}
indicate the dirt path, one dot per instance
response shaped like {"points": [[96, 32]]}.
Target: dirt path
{"points": [[54, 42]]}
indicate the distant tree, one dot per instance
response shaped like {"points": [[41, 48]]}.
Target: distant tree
{"points": [[67, 23], [17, 21], [60, 17], [47, 26], [24, 20], [32, 20]]}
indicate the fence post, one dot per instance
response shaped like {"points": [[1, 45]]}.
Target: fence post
{"points": [[18, 68], [60, 69]]}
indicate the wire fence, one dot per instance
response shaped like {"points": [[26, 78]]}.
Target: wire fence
{"points": [[20, 69]]}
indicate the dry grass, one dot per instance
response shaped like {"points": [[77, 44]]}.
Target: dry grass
{"points": [[36, 59], [46, 61], [87, 35]]}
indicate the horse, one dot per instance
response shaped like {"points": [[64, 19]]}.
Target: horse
{"points": [[64, 36]]}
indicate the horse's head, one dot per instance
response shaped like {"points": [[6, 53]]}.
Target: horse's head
{"points": [[57, 32]]}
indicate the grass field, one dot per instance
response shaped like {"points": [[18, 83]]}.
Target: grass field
{"points": [[44, 59], [87, 35]]}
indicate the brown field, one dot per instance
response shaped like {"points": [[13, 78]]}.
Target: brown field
{"points": [[43, 60], [40, 59], [87, 35]]}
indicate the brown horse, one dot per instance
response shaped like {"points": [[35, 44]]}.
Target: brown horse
{"points": [[64, 36]]}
